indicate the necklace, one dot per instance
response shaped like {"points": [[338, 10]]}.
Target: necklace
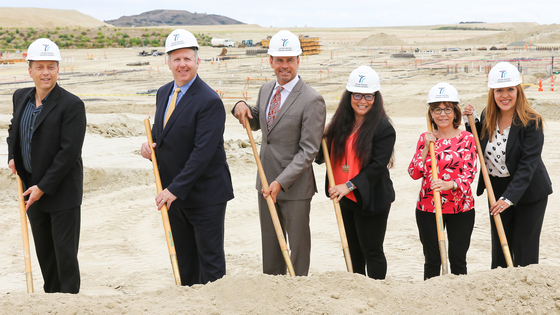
{"points": [[345, 167]]}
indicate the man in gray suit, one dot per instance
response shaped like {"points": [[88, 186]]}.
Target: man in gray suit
{"points": [[291, 116]]}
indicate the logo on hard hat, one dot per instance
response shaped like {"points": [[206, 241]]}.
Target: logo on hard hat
{"points": [[441, 90], [362, 78], [47, 47], [504, 72], [176, 37], [284, 42]]}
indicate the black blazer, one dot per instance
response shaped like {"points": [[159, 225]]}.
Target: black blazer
{"points": [[56, 148], [190, 150], [529, 179], [375, 190]]}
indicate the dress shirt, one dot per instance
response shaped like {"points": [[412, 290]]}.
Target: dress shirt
{"points": [[27, 127], [288, 87]]}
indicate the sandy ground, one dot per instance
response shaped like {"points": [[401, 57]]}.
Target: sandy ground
{"points": [[123, 257]]}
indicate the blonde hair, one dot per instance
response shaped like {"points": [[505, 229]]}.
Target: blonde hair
{"points": [[523, 111]]}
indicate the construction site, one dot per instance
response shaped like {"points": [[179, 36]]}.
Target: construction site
{"points": [[123, 257]]}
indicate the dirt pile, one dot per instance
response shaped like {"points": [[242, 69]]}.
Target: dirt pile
{"points": [[381, 39]]}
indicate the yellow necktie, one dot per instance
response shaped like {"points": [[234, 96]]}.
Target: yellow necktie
{"points": [[171, 106]]}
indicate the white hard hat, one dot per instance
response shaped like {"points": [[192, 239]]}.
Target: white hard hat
{"points": [[443, 92], [43, 49], [502, 75], [284, 44], [363, 80], [178, 39]]}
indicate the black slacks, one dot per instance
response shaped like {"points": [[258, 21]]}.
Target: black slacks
{"points": [[198, 234], [522, 224], [56, 235], [459, 230], [365, 233]]}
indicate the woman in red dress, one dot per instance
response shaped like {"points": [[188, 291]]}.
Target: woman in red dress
{"points": [[456, 162]]}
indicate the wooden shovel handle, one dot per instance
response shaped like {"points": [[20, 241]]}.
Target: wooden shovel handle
{"points": [[164, 214], [491, 196], [437, 203], [337, 211], [25, 236]]}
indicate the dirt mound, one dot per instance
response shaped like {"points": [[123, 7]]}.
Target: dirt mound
{"points": [[46, 18], [381, 39], [530, 290]]}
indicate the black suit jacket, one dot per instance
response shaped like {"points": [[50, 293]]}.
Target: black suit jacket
{"points": [[56, 148], [529, 179], [190, 149], [375, 190]]}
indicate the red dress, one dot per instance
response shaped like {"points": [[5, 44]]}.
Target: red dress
{"points": [[456, 160]]}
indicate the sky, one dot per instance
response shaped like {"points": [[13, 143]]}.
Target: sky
{"points": [[325, 13]]}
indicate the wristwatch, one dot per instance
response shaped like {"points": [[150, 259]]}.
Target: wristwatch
{"points": [[507, 201], [350, 185]]}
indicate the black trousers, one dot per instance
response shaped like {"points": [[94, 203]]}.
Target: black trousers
{"points": [[522, 224], [365, 234], [198, 234], [459, 230], [56, 235]]}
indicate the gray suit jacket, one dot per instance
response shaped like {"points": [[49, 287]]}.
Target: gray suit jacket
{"points": [[294, 139]]}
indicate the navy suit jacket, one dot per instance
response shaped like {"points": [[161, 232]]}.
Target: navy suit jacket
{"points": [[190, 149], [56, 148], [529, 179]]}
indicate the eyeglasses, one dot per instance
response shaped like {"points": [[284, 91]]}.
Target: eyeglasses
{"points": [[447, 110], [368, 97]]}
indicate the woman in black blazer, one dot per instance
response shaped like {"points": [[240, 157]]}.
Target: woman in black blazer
{"points": [[511, 137], [361, 140]]}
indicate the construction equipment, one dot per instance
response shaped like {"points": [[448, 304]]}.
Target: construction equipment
{"points": [[265, 42], [247, 43]]}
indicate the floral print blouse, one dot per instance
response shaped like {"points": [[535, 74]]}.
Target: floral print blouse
{"points": [[456, 160]]}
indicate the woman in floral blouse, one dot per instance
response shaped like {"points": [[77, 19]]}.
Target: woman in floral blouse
{"points": [[455, 152]]}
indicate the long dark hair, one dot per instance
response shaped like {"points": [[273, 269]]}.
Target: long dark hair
{"points": [[340, 128]]}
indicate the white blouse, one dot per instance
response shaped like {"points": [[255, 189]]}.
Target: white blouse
{"points": [[495, 154]]}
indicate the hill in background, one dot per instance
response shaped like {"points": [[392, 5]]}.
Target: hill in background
{"points": [[172, 17], [46, 18]]}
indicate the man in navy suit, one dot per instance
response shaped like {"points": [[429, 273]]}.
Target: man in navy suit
{"points": [[45, 141], [188, 141]]}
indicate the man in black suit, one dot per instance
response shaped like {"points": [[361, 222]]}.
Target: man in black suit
{"points": [[188, 141], [45, 141]]}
